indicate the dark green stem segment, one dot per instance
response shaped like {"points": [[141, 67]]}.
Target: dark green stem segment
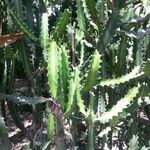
{"points": [[91, 137], [60, 131]]}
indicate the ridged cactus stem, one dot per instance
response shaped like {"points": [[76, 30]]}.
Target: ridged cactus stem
{"points": [[91, 137]]}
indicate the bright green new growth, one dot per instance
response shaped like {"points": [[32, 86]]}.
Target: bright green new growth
{"points": [[52, 68], [74, 94], [93, 72], [44, 37], [50, 126]]}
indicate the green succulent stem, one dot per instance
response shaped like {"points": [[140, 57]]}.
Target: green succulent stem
{"points": [[91, 139]]}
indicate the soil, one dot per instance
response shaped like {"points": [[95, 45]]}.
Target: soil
{"points": [[18, 138]]}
